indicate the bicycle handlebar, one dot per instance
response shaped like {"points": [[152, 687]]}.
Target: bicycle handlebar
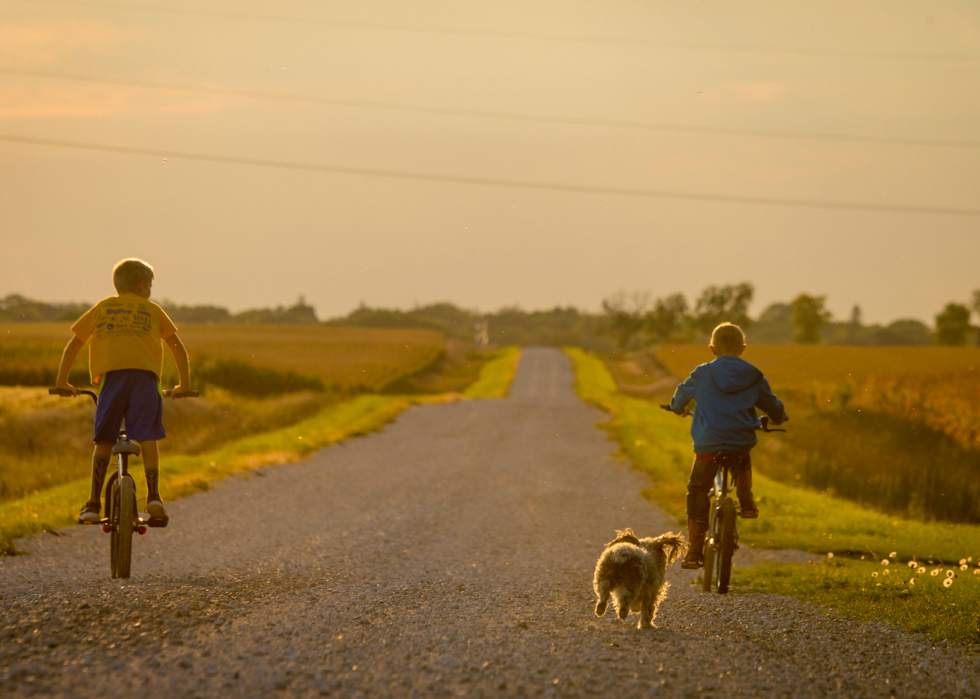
{"points": [[65, 393], [764, 420]]}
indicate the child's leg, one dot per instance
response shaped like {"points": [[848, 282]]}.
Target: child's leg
{"points": [[743, 489], [702, 475], [100, 464], [150, 451]]}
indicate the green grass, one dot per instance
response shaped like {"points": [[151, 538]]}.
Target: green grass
{"points": [[182, 474], [863, 590], [496, 375]]}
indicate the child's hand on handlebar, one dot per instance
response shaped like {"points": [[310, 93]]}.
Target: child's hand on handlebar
{"points": [[62, 388], [179, 391]]}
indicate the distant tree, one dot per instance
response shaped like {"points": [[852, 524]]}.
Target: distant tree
{"points": [[809, 317], [196, 314], [774, 325], [856, 316], [953, 325], [976, 302], [625, 316], [718, 304], [667, 316], [905, 331]]}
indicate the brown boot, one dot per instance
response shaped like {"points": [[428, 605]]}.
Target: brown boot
{"points": [[743, 489], [695, 547]]}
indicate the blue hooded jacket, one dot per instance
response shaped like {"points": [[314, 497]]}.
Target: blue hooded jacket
{"points": [[727, 391]]}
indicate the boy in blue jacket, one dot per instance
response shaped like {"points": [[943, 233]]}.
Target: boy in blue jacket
{"points": [[726, 392]]}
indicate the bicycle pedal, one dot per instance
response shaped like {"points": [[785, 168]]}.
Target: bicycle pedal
{"points": [[157, 522]]}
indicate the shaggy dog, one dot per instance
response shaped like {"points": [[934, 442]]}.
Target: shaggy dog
{"points": [[633, 571]]}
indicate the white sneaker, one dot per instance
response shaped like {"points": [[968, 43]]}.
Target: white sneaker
{"points": [[90, 513], [157, 512]]}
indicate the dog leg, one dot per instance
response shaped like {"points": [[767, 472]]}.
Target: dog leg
{"points": [[625, 602], [600, 606], [647, 613]]}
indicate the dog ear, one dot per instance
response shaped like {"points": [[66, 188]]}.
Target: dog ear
{"points": [[624, 536]]}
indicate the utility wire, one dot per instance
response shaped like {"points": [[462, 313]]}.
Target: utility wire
{"points": [[495, 182], [484, 114], [532, 36]]}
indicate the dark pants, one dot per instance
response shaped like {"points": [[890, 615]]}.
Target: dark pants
{"points": [[702, 479]]}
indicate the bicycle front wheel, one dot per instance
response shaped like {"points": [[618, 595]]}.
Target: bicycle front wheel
{"points": [[710, 547], [727, 548], [123, 533]]}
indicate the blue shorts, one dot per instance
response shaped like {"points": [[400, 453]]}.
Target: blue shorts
{"points": [[132, 394]]}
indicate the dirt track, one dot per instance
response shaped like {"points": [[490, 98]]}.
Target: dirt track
{"points": [[449, 555]]}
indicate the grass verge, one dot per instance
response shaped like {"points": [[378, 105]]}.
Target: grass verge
{"points": [[182, 474], [496, 375], [913, 600]]}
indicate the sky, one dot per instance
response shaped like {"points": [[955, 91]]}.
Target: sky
{"points": [[528, 152]]}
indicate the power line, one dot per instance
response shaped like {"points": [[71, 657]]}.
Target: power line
{"points": [[533, 36], [485, 114], [495, 182]]}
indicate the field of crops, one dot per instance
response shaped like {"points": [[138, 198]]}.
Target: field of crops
{"points": [[257, 378], [343, 359], [897, 428], [938, 386]]}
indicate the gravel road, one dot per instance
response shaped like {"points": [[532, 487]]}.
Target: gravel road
{"points": [[449, 555]]}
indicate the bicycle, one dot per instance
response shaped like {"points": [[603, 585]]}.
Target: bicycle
{"points": [[121, 513], [721, 540]]}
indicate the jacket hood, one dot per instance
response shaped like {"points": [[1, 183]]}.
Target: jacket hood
{"points": [[733, 375]]}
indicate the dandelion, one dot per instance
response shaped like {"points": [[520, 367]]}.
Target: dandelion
{"points": [[913, 564], [950, 573], [947, 582], [874, 574], [920, 571], [962, 562], [830, 554], [893, 554], [963, 567], [912, 581], [887, 572], [934, 572], [884, 561], [977, 571]]}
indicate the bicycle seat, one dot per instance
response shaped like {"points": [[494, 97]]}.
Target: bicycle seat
{"points": [[126, 447], [732, 459]]}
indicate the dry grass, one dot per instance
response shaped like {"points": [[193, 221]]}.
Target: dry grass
{"points": [[344, 359], [897, 428], [937, 386]]}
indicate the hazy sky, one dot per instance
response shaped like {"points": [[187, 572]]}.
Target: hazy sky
{"points": [[244, 235]]}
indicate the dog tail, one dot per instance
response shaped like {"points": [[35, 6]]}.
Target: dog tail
{"points": [[672, 545]]}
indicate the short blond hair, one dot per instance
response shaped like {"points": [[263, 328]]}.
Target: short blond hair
{"points": [[728, 339], [128, 274]]}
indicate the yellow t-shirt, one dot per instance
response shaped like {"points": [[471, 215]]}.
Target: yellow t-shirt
{"points": [[126, 332]]}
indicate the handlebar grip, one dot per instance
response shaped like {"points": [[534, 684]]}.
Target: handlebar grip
{"points": [[664, 406], [60, 392], [188, 394]]}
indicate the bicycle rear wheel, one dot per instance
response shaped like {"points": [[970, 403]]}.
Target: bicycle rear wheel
{"points": [[709, 552], [123, 533], [727, 548]]}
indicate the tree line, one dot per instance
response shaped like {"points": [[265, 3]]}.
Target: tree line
{"points": [[637, 320], [627, 320]]}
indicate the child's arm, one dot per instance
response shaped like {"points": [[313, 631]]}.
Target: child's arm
{"points": [[68, 357], [770, 404], [183, 365], [683, 395]]}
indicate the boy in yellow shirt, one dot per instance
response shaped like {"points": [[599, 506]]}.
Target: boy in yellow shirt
{"points": [[127, 334]]}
